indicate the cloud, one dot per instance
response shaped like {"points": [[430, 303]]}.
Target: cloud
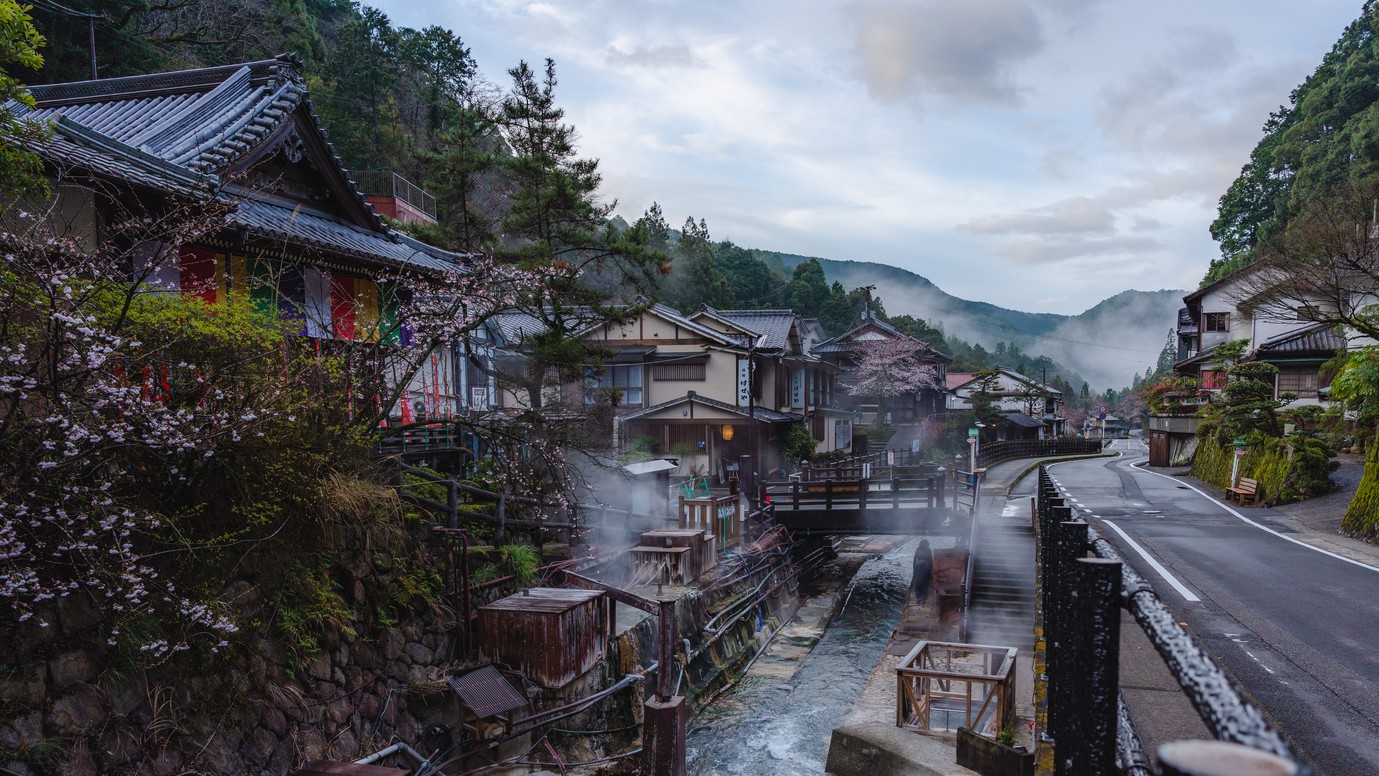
{"points": [[963, 50], [1075, 215], [668, 55], [1057, 251]]}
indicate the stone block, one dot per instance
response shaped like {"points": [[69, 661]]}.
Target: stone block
{"points": [[75, 713]]}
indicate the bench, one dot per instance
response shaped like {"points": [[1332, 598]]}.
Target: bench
{"points": [[1245, 493]]}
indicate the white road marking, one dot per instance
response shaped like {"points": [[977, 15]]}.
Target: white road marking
{"points": [[1265, 528], [1187, 595]]}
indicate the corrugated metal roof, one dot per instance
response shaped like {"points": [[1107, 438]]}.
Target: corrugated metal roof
{"points": [[486, 692]]}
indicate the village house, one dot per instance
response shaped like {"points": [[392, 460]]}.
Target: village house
{"points": [[1226, 311], [298, 237], [1028, 409], [704, 389], [913, 409]]}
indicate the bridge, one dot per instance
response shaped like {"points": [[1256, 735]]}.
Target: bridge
{"points": [[904, 506]]}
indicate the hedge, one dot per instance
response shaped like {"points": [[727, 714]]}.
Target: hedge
{"points": [[1282, 479]]}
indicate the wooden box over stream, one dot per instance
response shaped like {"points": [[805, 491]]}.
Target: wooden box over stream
{"points": [[553, 635]]}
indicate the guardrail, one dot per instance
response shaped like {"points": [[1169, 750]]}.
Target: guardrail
{"points": [[552, 515], [1086, 722], [994, 452]]}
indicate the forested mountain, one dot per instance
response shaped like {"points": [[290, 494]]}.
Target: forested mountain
{"points": [[1322, 146]]}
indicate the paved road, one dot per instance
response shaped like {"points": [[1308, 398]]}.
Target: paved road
{"points": [[1297, 628]]}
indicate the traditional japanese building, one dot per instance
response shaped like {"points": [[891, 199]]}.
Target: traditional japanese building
{"points": [[297, 236]]}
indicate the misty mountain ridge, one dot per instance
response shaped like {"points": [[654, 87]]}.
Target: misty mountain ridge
{"points": [[1109, 343]]}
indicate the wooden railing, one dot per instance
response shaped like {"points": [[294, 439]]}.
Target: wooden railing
{"points": [[858, 493]]}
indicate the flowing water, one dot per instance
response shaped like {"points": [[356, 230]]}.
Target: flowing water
{"points": [[765, 726]]}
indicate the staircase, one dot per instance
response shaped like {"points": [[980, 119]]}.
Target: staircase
{"points": [[1002, 604]]}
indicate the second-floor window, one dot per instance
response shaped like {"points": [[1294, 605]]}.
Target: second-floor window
{"points": [[1216, 322], [625, 378]]}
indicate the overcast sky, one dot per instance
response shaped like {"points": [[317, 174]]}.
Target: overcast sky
{"points": [[1037, 154]]}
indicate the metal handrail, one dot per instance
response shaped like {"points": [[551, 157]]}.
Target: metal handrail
{"points": [[1087, 722]]}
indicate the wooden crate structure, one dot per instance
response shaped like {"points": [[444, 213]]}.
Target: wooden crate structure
{"points": [[552, 635], [675, 556], [942, 686]]}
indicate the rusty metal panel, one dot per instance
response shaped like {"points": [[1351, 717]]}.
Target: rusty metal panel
{"points": [[342, 768], [550, 634], [486, 692]]}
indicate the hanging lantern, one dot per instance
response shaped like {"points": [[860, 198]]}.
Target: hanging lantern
{"points": [[727, 433]]}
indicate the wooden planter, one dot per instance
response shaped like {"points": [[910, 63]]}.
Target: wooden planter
{"points": [[992, 759]]}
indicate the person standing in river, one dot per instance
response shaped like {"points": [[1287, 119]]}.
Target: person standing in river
{"points": [[923, 571]]}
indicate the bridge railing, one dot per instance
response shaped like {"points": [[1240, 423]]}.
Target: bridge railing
{"points": [[1083, 716], [859, 493], [992, 453]]}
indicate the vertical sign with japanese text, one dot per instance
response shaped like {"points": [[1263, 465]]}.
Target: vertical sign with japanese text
{"points": [[744, 382]]}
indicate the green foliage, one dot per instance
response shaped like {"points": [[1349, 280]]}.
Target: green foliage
{"points": [[1287, 469], [309, 605], [1326, 137], [1170, 395], [797, 444], [1361, 518], [522, 560], [1007, 736], [19, 45], [1246, 407]]}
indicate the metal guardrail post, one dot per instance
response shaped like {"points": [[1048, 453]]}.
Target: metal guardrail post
{"points": [[1088, 745], [1069, 544]]}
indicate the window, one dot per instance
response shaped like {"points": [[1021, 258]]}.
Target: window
{"points": [[1300, 380], [624, 378], [678, 373], [1216, 322]]}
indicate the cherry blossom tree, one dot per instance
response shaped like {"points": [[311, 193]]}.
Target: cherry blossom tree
{"points": [[888, 368]]}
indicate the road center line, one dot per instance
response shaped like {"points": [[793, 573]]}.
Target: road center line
{"points": [[1266, 528], [1188, 595]]}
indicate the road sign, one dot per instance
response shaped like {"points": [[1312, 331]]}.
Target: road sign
{"points": [[1238, 442], [890, 458], [1101, 415], [1239, 453], [971, 432], [1102, 409], [971, 440]]}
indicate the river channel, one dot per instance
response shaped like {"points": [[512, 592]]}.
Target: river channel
{"points": [[770, 724]]}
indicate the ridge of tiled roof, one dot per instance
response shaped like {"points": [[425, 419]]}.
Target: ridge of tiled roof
{"points": [[1317, 337], [203, 119]]}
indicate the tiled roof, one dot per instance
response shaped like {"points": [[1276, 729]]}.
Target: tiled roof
{"points": [[1023, 421], [843, 343], [176, 131], [675, 316], [199, 119], [774, 325], [71, 146], [266, 219], [1317, 338], [956, 380]]}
